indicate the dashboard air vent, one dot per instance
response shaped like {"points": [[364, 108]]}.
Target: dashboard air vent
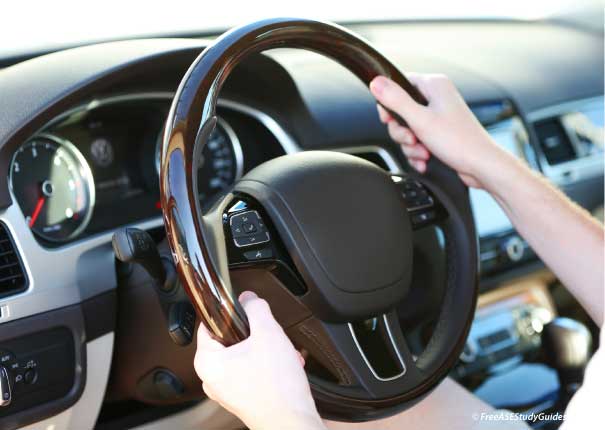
{"points": [[554, 141], [12, 274]]}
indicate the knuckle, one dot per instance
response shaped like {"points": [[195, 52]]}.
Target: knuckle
{"points": [[209, 390], [206, 368]]}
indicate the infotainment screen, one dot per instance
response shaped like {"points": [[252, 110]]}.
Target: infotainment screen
{"points": [[490, 219]]}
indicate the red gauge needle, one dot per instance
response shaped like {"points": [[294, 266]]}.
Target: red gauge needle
{"points": [[37, 210]]}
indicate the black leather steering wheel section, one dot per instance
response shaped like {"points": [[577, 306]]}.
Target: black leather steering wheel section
{"points": [[325, 237]]}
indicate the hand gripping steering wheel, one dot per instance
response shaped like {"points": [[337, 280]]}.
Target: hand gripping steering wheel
{"points": [[325, 237]]}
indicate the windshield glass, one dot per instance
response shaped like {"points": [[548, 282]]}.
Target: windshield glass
{"points": [[31, 26]]}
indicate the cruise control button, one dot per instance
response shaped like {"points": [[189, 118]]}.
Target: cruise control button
{"points": [[252, 239], [237, 231], [419, 202], [259, 254]]}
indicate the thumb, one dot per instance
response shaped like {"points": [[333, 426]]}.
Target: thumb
{"points": [[395, 98], [259, 314]]}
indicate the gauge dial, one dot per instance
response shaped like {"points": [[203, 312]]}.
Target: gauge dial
{"points": [[53, 185], [222, 162]]}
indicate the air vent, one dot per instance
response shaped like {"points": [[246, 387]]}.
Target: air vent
{"points": [[554, 141], [12, 275]]}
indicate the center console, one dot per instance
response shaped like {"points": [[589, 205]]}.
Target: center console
{"points": [[507, 326]]}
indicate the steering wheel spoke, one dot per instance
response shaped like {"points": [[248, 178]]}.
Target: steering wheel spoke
{"points": [[370, 357]]}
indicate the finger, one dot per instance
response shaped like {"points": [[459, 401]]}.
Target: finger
{"points": [[419, 165], [205, 341], [401, 134], [393, 97], [417, 151], [258, 312], [384, 116], [301, 359]]}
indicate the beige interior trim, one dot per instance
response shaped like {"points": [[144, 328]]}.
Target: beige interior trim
{"points": [[531, 289], [206, 415]]}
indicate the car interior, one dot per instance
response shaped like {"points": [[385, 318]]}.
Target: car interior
{"points": [[145, 181]]}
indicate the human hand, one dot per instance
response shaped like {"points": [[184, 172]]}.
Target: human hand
{"points": [[446, 127], [261, 380]]}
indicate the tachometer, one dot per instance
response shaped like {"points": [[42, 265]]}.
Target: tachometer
{"points": [[53, 185], [222, 161]]}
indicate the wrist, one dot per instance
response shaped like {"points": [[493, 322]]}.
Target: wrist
{"points": [[494, 168], [304, 420], [294, 420]]}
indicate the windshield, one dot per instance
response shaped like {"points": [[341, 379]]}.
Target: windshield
{"points": [[34, 26]]}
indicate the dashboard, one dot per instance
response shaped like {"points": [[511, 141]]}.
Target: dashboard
{"points": [[79, 158]]}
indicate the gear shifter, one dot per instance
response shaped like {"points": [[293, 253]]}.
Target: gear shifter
{"points": [[567, 343]]}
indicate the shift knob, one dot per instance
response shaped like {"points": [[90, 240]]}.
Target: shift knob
{"points": [[567, 343]]}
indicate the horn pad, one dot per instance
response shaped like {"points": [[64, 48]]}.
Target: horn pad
{"points": [[346, 227]]}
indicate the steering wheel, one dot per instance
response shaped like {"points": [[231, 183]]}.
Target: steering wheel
{"points": [[325, 237]]}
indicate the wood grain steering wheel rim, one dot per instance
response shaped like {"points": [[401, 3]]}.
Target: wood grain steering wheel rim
{"points": [[197, 240]]}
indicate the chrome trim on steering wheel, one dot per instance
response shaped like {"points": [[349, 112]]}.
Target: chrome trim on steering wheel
{"points": [[367, 362]]}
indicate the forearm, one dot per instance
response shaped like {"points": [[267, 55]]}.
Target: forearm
{"points": [[566, 237], [450, 406]]}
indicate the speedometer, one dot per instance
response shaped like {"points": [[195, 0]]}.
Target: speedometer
{"points": [[222, 161], [53, 185]]}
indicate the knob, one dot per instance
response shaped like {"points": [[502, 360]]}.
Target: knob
{"points": [[5, 387], [566, 343], [514, 248]]}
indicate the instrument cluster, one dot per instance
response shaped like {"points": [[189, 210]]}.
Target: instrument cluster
{"points": [[96, 167]]}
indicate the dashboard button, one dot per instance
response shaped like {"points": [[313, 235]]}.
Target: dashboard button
{"points": [[30, 376], [6, 357], [5, 388]]}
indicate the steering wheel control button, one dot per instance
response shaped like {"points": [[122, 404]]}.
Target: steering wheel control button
{"points": [[423, 218], [181, 323], [415, 195], [253, 239], [247, 229], [258, 254]]}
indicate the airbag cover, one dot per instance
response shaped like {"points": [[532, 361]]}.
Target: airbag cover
{"points": [[344, 223]]}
